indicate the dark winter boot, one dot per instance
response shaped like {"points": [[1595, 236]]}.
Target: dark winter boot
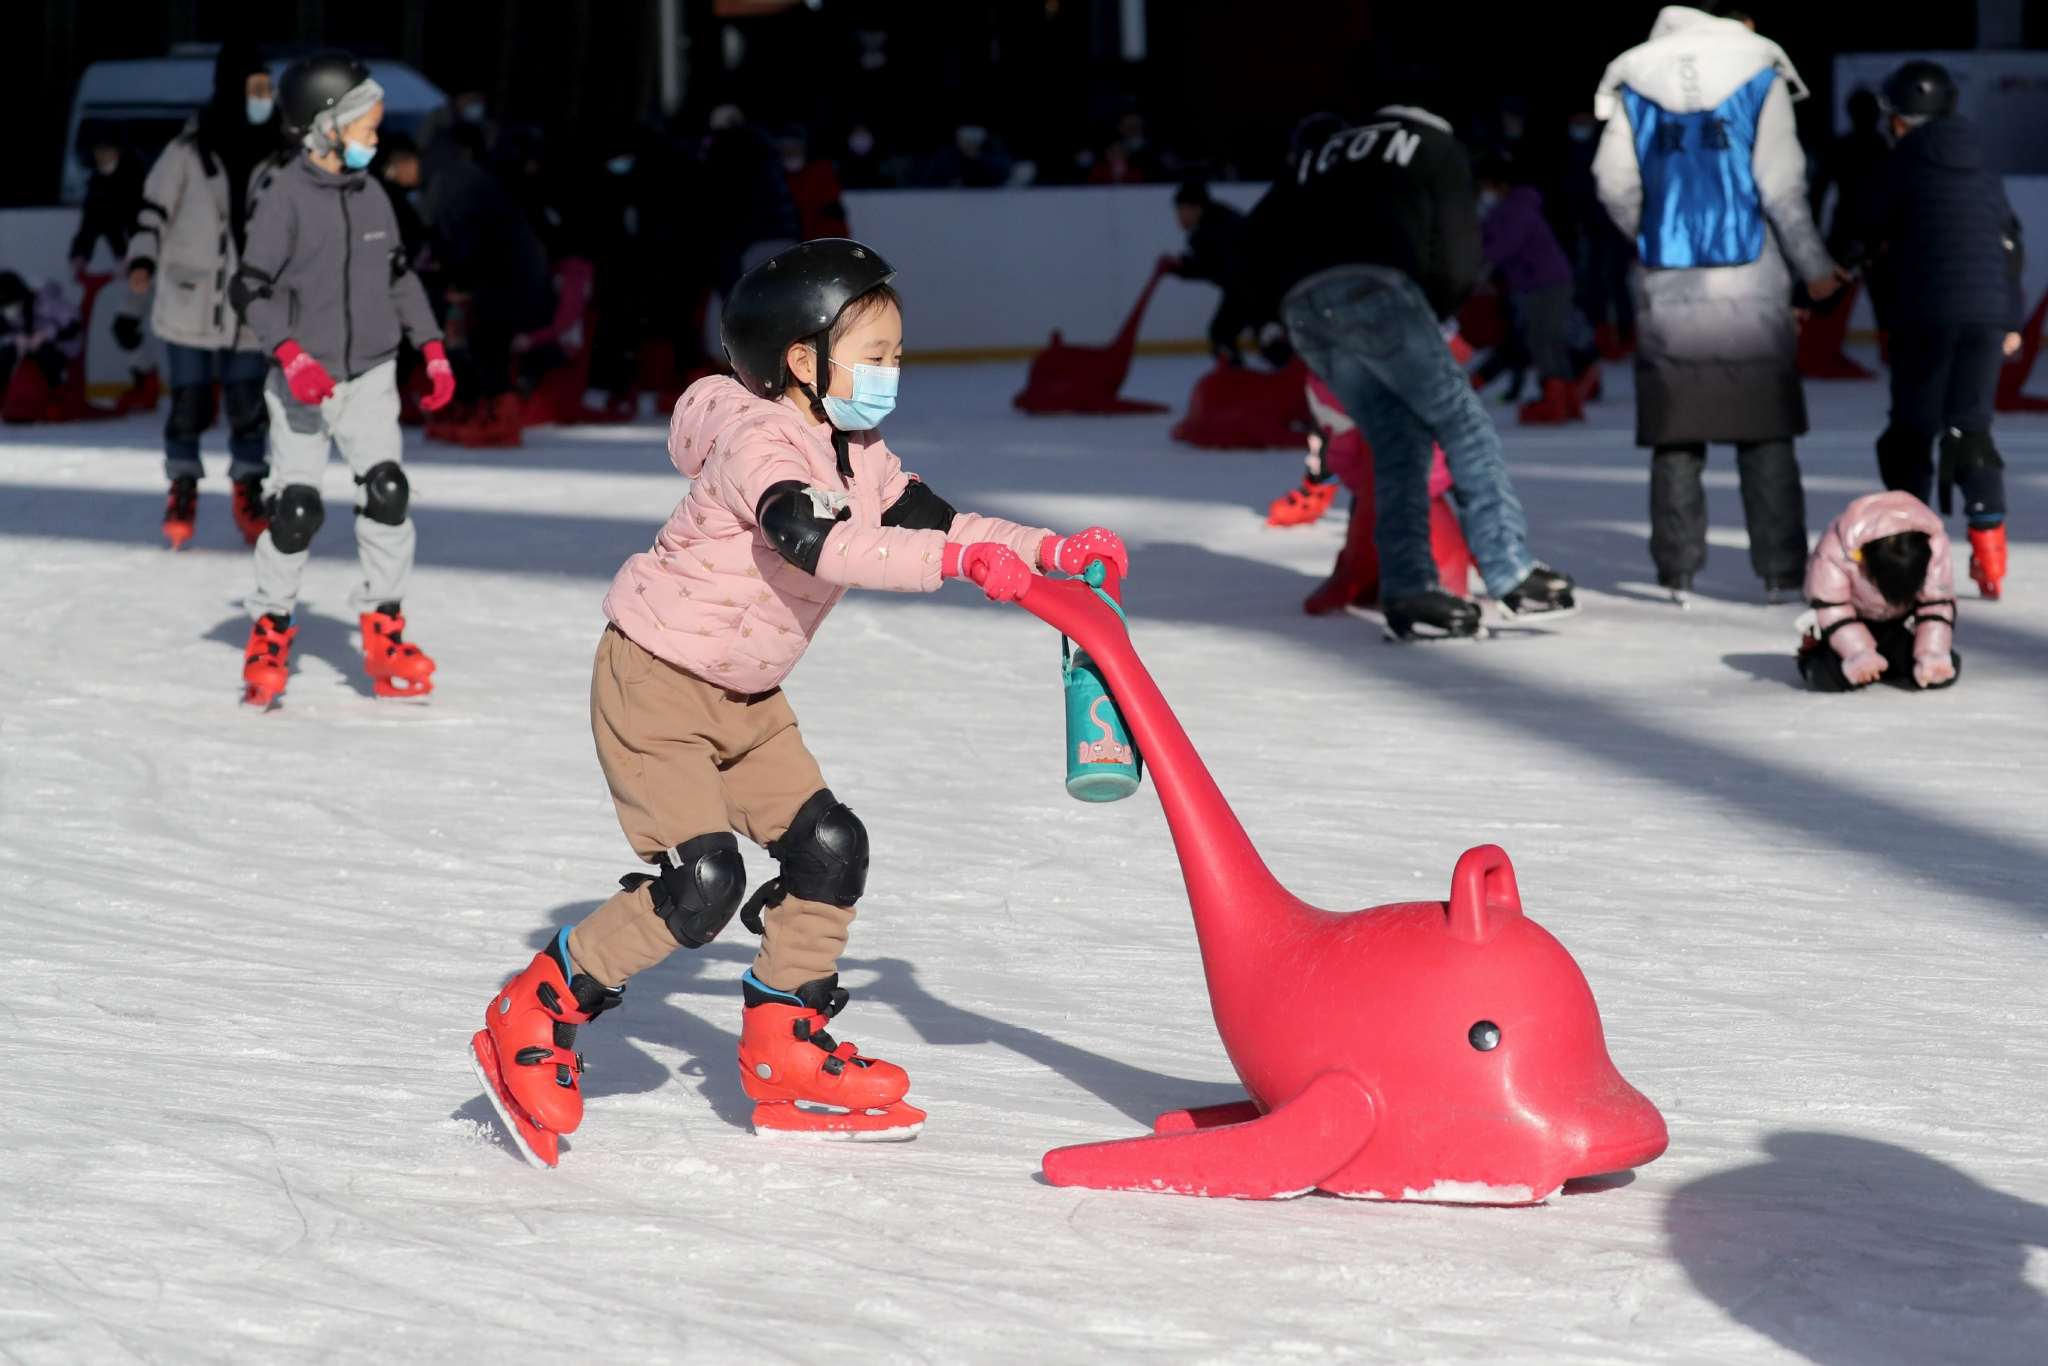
{"points": [[1434, 615]]}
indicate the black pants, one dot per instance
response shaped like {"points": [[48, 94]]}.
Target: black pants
{"points": [[1821, 667], [1773, 504], [1944, 381]]}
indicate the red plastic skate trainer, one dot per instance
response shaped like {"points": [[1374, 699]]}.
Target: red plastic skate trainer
{"points": [[396, 667], [1429, 1050], [805, 1084], [267, 662]]}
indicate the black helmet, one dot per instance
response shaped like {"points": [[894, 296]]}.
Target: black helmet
{"points": [[314, 84], [792, 297], [1920, 87]]}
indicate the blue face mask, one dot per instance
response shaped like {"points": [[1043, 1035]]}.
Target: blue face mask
{"points": [[259, 110], [355, 156], [874, 398]]}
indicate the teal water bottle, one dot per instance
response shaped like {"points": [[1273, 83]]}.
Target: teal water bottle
{"points": [[1103, 764]]}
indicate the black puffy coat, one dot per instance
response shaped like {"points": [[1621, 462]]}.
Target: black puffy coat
{"points": [[1950, 236]]}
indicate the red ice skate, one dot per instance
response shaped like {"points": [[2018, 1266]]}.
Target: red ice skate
{"points": [[1987, 559], [525, 1057], [267, 663], [396, 667], [1303, 505], [808, 1085], [250, 517], [181, 512]]}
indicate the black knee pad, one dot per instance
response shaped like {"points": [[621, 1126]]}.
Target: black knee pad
{"points": [[698, 888], [1972, 460], [295, 514], [824, 853], [247, 417], [191, 412], [385, 494], [1903, 460]]}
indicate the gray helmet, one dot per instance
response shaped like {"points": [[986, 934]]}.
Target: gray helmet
{"points": [[1920, 88], [313, 85], [793, 297]]}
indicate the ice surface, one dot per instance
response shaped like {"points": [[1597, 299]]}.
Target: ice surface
{"points": [[244, 953]]}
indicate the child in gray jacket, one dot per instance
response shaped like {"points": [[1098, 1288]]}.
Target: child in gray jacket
{"points": [[325, 284]]}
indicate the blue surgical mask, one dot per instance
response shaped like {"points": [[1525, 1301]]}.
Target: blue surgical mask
{"points": [[355, 156], [874, 398], [259, 110]]}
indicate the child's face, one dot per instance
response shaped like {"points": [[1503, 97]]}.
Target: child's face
{"points": [[363, 131], [876, 338]]}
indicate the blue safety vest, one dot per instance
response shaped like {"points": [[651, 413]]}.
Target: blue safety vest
{"points": [[1700, 205]]}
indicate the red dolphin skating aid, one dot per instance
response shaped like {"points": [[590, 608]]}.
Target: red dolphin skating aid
{"points": [[1427, 1050]]}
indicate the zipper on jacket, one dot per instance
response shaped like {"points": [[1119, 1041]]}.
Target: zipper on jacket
{"points": [[348, 317]]}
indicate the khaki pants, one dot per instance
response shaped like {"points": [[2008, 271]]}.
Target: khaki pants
{"points": [[686, 758]]}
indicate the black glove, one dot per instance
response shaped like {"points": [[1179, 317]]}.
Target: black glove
{"points": [[128, 331]]}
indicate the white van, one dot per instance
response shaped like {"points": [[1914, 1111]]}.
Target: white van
{"points": [[151, 98]]}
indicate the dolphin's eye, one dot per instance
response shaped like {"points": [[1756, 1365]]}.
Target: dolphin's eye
{"points": [[1484, 1036]]}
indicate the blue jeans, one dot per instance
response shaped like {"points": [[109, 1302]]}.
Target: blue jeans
{"points": [[1368, 333], [193, 373]]}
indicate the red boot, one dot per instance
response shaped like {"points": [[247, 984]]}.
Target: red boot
{"points": [[525, 1057], [250, 517], [396, 667], [1303, 505], [793, 1069], [1355, 579], [181, 511], [1987, 559], [267, 663], [1554, 407]]}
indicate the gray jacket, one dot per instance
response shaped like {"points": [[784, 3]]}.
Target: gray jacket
{"points": [[182, 232], [323, 266]]}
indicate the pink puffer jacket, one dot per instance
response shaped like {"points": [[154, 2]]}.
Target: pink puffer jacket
{"points": [[713, 597], [1845, 592]]}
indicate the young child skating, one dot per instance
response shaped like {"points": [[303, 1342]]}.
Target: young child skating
{"points": [[1884, 599], [326, 286], [795, 499]]}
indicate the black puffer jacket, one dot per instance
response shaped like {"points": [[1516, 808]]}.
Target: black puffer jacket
{"points": [[1951, 239]]}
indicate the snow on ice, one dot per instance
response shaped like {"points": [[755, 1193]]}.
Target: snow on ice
{"points": [[244, 953]]}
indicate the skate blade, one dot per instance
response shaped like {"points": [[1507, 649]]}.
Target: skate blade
{"points": [[257, 699], [1394, 637], [895, 1123], [1536, 618], [405, 689], [483, 1059]]}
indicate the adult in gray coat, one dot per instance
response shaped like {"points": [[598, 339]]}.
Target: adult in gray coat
{"points": [[326, 286], [1700, 163]]}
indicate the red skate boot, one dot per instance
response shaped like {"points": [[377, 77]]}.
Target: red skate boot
{"points": [[267, 663], [181, 511], [805, 1084], [1355, 581], [396, 667], [524, 1055], [1987, 559], [1557, 405], [250, 517], [1301, 506]]}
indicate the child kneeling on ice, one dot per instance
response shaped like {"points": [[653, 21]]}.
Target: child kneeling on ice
{"points": [[795, 500], [1884, 599]]}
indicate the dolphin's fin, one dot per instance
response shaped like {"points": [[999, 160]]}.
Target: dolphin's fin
{"points": [[1278, 1155]]}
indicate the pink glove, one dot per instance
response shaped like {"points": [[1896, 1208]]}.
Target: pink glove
{"points": [[440, 372], [1071, 554], [999, 570], [1933, 669], [305, 377], [1864, 667]]}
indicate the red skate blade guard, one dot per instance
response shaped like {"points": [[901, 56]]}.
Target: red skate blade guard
{"points": [[786, 1119], [1279, 1155], [539, 1147]]}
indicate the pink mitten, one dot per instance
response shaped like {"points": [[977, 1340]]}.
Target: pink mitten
{"points": [[305, 377], [441, 373], [1932, 669], [1071, 554], [1863, 667], [999, 570]]}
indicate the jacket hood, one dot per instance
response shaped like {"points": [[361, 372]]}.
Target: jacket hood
{"points": [[696, 427], [1876, 515], [1691, 62], [1950, 140]]}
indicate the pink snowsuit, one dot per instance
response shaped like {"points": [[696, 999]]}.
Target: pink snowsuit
{"points": [[1843, 593], [713, 597]]}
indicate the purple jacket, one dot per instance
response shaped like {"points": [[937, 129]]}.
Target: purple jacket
{"points": [[1519, 241]]}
